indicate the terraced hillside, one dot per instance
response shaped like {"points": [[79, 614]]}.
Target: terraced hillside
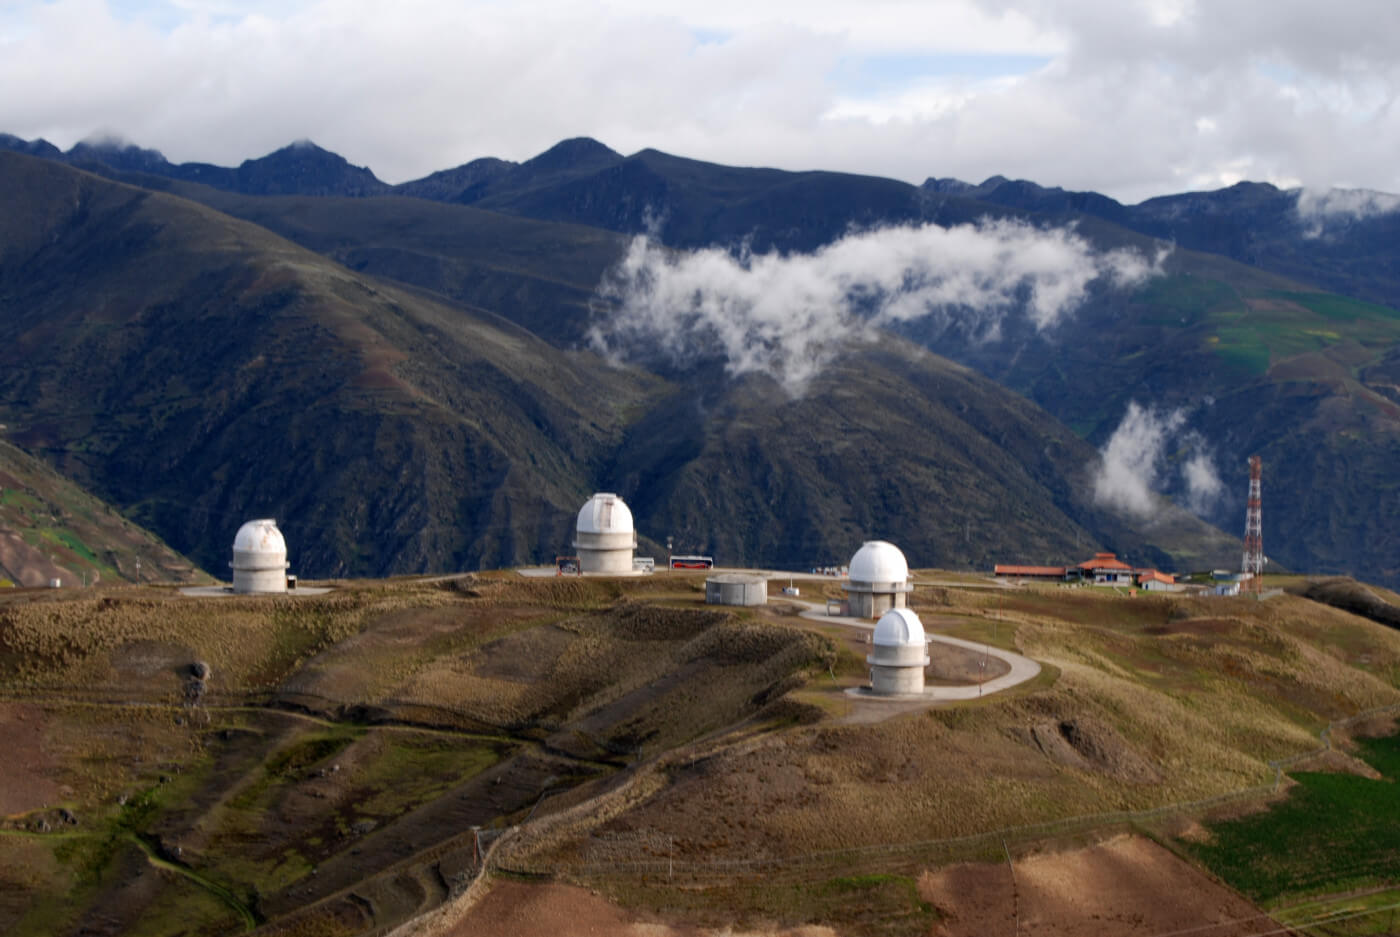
{"points": [[205, 765]]}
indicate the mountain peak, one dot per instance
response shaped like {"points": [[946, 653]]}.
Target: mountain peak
{"points": [[303, 168], [118, 152], [948, 186], [39, 147], [574, 153], [300, 150]]}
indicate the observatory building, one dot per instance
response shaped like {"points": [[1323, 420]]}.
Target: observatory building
{"points": [[259, 558], [879, 579], [605, 538], [899, 655]]}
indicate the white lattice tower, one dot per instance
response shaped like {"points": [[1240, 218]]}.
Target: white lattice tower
{"points": [[1254, 528]]}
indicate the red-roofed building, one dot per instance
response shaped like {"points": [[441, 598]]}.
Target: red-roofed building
{"points": [[1152, 581], [1106, 568], [1011, 571]]}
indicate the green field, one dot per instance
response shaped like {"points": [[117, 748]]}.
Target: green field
{"points": [[1335, 832], [1278, 325]]}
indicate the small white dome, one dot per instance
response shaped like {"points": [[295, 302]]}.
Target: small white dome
{"points": [[260, 536], [605, 513], [879, 561], [899, 627]]}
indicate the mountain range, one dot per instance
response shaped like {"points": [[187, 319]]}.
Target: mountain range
{"points": [[400, 373]]}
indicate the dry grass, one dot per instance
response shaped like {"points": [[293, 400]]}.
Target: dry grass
{"points": [[1204, 693], [1143, 702]]}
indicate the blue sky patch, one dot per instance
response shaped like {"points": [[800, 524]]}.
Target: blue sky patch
{"points": [[870, 74]]}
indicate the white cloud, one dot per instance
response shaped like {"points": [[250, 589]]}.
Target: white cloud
{"points": [[788, 315], [1127, 476], [1130, 97], [1317, 208], [1135, 464], [1203, 484]]}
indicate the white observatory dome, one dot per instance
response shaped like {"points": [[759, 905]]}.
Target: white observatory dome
{"points": [[259, 558], [605, 513], [879, 561], [261, 537], [605, 538], [878, 579], [899, 627], [899, 655]]}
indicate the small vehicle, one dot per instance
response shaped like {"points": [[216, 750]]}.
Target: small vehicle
{"points": [[692, 562]]}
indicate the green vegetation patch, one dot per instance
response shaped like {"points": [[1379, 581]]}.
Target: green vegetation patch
{"points": [[16, 498], [1185, 299], [1281, 324], [1242, 347], [1359, 915], [70, 540], [413, 768], [1334, 832], [1340, 308], [293, 763]]}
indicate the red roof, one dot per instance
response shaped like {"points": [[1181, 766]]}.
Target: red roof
{"points": [[1002, 569], [1105, 561], [1152, 574]]}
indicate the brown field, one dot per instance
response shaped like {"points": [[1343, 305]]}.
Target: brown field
{"points": [[26, 783], [1124, 886]]}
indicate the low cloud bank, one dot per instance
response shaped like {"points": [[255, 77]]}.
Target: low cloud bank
{"points": [[787, 315], [1317, 208], [1136, 464]]}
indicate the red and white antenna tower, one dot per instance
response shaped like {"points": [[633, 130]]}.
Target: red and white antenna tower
{"points": [[1254, 528]]}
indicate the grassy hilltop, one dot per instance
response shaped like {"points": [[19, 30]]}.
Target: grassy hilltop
{"points": [[315, 765]]}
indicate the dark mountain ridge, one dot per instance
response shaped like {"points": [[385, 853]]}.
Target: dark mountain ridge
{"points": [[1342, 241], [690, 203], [1307, 379], [198, 370], [301, 168]]}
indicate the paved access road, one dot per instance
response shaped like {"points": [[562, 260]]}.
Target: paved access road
{"points": [[1022, 667]]}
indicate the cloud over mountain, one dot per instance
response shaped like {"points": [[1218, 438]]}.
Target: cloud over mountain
{"points": [[788, 315], [1136, 458]]}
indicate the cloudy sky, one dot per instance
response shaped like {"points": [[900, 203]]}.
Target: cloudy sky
{"points": [[1130, 97]]}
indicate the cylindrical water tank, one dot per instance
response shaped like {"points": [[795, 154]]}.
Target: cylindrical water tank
{"points": [[736, 589]]}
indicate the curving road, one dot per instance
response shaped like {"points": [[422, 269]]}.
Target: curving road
{"points": [[1022, 667]]}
